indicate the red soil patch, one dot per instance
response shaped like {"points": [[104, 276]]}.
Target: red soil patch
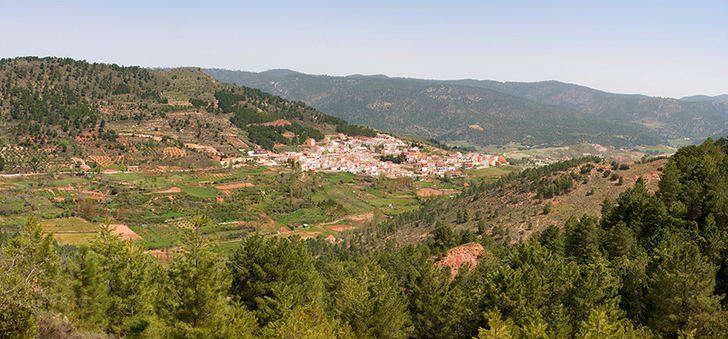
{"points": [[170, 190], [464, 254], [161, 255], [234, 186], [279, 122], [126, 232], [361, 217], [103, 160], [178, 103], [92, 195], [340, 228], [428, 192], [331, 239], [220, 200], [203, 148], [651, 176]]}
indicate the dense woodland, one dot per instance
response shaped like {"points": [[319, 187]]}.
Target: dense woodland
{"points": [[653, 265], [470, 112]]}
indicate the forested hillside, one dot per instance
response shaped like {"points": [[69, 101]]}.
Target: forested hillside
{"points": [[525, 202], [653, 264], [57, 109], [672, 118], [447, 112]]}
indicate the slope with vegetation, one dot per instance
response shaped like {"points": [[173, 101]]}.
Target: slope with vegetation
{"points": [[447, 112], [524, 202], [55, 110], [672, 118]]}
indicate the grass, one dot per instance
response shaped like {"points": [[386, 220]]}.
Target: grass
{"points": [[492, 171], [681, 142], [73, 224], [302, 216], [74, 238], [200, 192], [340, 177], [228, 247], [147, 214]]}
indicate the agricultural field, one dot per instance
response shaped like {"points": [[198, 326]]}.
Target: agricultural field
{"points": [[151, 206]]}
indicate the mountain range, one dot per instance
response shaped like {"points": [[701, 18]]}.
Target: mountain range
{"points": [[483, 112]]}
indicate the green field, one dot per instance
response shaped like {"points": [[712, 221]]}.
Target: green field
{"points": [[155, 205]]}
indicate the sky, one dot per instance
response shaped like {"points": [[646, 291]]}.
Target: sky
{"points": [[659, 48]]}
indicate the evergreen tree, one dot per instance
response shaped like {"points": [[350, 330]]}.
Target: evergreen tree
{"points": [[553, 239], [600, 325], [434, 312], [29, 267], [274, 275], [596, 285], [198, 283], [498, 328], [482, 227], [681, 283], [307, 322], [639, 210], [369, 300], [129, 275], [87, 291], [581, 238], [444, 237]]}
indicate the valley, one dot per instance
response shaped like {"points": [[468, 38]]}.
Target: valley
{"points": [[164, 177]]}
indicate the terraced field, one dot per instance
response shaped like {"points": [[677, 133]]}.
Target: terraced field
{"points": [[151, 206]]}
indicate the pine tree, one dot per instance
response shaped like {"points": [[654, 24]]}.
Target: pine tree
{"points": [[681, 283], [369, 300], [603, 324], [307, 322], [581, 238], [430, 303], [86, 290], [497, 327], [29, 268], [128, 273], [199, 282], [273, 275], [553, 239], [482, 227], [596, 285]]}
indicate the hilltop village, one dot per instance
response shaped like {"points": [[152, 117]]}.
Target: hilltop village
{"points": [[371, 156]]}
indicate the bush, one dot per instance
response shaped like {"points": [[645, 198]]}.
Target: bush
{"points": [[547, 208]]}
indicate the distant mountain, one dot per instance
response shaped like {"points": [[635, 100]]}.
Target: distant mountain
{"points": [[703, 98], [443, 110], [669, 117]]}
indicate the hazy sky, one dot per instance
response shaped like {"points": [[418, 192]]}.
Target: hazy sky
{"points": [[663, 48]]}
